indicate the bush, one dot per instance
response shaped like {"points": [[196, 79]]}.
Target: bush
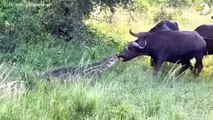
{"points": [[65, 19], [20, 24], [164, 15]]}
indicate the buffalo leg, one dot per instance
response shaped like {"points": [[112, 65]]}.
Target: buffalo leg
{"points": [[158, 65], [152, 62], [185, 66], [198, 65]]}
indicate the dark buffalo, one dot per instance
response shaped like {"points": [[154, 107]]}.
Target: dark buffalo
{"points": [[171, 46], [209, 43], [164, 25], [206, 31]]}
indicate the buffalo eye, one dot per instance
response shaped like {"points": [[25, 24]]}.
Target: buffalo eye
{"points": [[129, 49]]}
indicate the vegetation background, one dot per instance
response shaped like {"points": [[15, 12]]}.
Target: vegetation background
{"points": [[37, 35]]}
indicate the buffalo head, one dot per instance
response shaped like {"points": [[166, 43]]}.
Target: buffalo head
{"points": [[134, 48]]}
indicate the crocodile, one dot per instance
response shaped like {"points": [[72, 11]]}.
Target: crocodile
{"points": [[88, 70]]}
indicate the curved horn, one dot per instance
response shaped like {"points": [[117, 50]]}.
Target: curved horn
{"points": [[138, 46], [133, 34], [140, 34]]}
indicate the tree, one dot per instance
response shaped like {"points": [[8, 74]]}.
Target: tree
{"points": [[64, 18]]}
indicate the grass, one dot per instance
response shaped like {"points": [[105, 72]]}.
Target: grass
{"points": [[131, 94], [128, 91]]}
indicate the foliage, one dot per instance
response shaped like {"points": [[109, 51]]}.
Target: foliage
{"points": [[142, 5], [19, 24], [64, 18], [23, 25], [165, 15]]}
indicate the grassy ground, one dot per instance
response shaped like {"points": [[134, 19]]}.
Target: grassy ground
{"points": [[128, 91]]}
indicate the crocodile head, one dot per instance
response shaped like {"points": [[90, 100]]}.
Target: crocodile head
{"points": [[111, 61]]}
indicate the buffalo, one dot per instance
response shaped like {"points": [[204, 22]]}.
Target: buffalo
{"points": [[206, 31], [164, 25], [171, 46]]}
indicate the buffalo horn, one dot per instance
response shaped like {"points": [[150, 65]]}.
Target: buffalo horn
{"points": [[138, 46], [140, 34]]}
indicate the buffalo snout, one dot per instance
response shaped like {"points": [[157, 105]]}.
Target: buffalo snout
{"points": [[124, 55], [127, 54]]}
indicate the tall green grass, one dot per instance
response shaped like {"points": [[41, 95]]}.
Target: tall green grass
{"points": [[129, 91]]}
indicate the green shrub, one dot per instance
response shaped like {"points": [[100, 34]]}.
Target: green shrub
{"points": [[165, 15], [20, 24]]}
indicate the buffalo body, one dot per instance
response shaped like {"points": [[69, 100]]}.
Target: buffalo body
{"points": [[165, 25], [171, 46], [206, 31]]}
